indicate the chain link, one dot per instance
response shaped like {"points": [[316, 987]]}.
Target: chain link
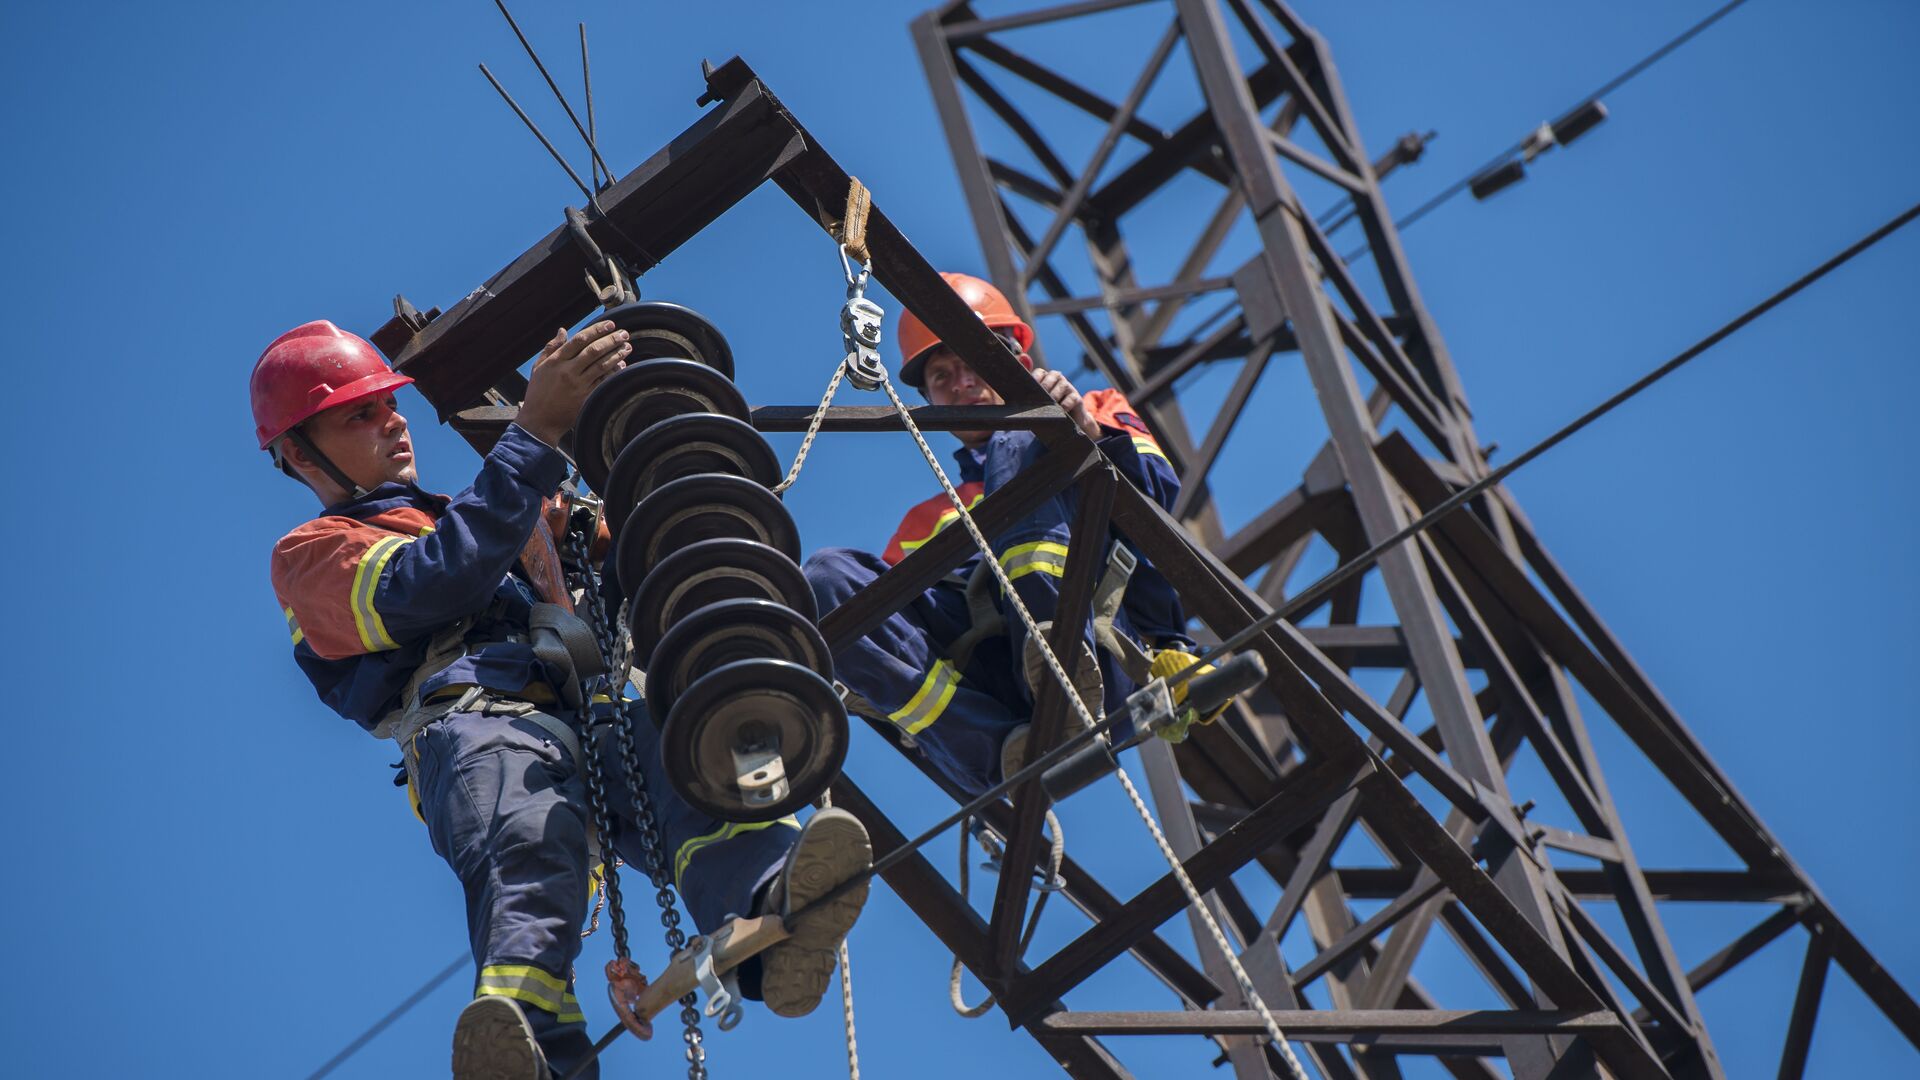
{"points": [[615, 650], [1247, 991]]}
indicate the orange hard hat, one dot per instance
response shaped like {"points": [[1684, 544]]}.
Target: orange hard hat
{"points": [[916, 340], [312, 368]]}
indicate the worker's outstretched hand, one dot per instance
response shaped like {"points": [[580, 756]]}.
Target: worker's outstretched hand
{"points": [[566, 372], [1061, 390]]}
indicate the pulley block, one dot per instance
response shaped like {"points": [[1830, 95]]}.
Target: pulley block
{"points": [[635, 398], [685, 446], [658, 329], [726, 632], [707, 573], [755, 740], [708, 506]]}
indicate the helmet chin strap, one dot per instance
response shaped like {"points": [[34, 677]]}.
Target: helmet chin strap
{"points": [[299, 438]]}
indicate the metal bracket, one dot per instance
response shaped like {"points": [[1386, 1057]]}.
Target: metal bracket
{"points": [[760, 772], [618, 288], [723, 991]]}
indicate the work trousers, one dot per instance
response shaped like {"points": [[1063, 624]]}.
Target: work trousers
{"points": [[506, 806], [958, 717]]}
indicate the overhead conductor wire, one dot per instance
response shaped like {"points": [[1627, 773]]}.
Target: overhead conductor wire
{"points": [[1451, 191]]}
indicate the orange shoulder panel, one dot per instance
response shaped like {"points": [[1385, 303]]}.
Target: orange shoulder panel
{"points": [[318, 566], [927, 518], [1110, 408]]}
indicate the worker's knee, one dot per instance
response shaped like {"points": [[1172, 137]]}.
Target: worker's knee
{"points": [[838, 573]]}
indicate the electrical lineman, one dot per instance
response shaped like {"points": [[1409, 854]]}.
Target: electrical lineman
{"points": [[420, 617], [951, 672]]}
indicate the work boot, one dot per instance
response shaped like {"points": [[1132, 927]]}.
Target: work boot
{"points": [[1013, 751], [832, 848], [1086, 680], [492, 1041]]}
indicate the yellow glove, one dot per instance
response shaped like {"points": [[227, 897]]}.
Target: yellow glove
{"points": [[1170, 662]]}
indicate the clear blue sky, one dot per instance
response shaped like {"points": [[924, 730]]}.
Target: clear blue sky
{"points": [[210, 875]]}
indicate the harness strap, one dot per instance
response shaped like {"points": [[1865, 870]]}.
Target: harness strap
{"points": [[564, 642], [1108, 596], [443, 649], [1107, 599], [982, 612]]}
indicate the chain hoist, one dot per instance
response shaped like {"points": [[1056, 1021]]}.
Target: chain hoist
{"points": [[860, 322], [623, 977]]}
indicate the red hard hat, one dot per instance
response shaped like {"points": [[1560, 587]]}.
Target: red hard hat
{"points": [[986, 301], [311, 368]]}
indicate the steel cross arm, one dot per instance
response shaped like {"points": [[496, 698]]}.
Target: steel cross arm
{"points": [[651, 211], [925, 417], [489, 421]]}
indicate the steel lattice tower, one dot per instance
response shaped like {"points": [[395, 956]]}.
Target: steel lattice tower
{"points": [[1523, 629], [1276, 789]]}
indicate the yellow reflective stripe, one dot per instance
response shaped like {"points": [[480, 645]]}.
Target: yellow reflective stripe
{"points": [[366, 579], [1144, 445], [940, 523], [523, 982], [524, 971], [1042, 555], [725, 832], [567, 1013], [927, 703], [293, 627]]}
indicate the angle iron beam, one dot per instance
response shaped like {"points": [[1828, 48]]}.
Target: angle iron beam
{"points": [[938, 557], [964, 30], [1074, 94], [1298, 801], [1049, 722], [1343, 1025], [976, 181], [1183, 835], [1806, 1008]]}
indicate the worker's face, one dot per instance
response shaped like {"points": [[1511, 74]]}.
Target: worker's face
{"points": [[367, 439], [951, 381]]}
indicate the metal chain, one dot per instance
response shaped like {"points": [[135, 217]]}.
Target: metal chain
{"points": [[614, 650], [813, 429], [1247, 991]]}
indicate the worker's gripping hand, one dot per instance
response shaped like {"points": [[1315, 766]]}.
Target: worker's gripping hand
{"points": [[1061, 390], [566, 372]]}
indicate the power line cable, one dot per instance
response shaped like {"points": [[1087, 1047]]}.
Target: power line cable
{"points": [[1367, 558], [393, 1014], [1453, 190]]}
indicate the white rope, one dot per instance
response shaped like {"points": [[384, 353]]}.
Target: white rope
{"points": [[846, 1010], [954, 996], [1247, 992], [813, 429], [846, 958], [1057, 855]]}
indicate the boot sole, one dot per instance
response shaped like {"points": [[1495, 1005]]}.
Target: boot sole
{"points": [[493, 1042], [831, 849]]}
